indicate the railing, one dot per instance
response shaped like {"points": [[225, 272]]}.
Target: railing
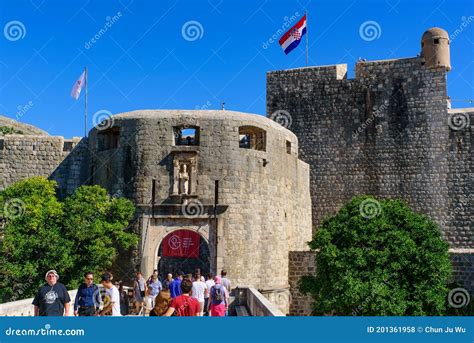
{"points": [[249, 301], [25, 307]]}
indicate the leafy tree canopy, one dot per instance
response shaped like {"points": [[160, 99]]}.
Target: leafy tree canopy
{"points": [[378, 258], [82, 233]]}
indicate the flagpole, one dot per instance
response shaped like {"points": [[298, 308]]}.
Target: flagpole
{"points": [[306, 14], [85, 102]]}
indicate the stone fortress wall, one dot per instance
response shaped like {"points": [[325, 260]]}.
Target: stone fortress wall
{"points": [[265, 192], [24, 156], [387, 132]]}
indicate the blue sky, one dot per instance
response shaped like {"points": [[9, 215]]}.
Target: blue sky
{"points": [[144, 61]]}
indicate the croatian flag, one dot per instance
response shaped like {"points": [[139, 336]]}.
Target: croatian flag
{"points": [[76, 89], [292, 38]]}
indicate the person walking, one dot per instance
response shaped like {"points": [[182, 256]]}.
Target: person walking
{"points": [[225, 281], [209, 283], [113, 296], [167, 281], [218, 299], [87, 301], [198, 291], [124, 300], [198, 271], [139, 291], [154, 287], [184, 305], [155, 273], [52, 299], [175, 285], [162, 303]]}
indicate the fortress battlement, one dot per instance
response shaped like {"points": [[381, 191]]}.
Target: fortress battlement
{"points": [[329, 72], [388, 132], [365, 72]]}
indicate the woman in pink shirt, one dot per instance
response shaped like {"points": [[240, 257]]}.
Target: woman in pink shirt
{"points": [[218, 298]]}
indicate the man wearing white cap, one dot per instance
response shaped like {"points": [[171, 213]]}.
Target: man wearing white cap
{"points": [[52, 298]]}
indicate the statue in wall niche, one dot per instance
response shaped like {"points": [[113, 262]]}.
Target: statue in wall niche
{"points": [[183, 180]]}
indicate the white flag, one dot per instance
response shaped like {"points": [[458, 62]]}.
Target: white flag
{"points": [[76, 89]]}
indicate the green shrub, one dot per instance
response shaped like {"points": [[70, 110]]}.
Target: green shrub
{"points": [[39, 233], [378, 258]]}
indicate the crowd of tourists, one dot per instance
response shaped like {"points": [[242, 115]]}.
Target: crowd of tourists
{"points": [[182, 295]]}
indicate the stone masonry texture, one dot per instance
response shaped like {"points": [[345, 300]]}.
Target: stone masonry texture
{"points": [[387, 133], [266, 193]]}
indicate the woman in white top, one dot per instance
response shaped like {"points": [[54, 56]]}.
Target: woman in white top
{"points": [[199, 291], [209, 283]]}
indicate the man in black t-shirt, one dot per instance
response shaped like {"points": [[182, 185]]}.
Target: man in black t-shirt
{"points": [[52, 298]]}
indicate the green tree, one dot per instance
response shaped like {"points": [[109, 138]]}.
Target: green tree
{"points": [[39, 233], [378, 258], [32, 241], [95, 222]]}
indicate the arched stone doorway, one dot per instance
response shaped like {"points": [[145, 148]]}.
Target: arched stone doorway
{"points": [[186, 263], [156, 229]]}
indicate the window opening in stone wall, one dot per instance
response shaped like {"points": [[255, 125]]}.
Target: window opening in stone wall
{"points": [[436, 40], [1, 144], [186, 135], [288, 147], [108, 139], [251, 137], [67, 146]]}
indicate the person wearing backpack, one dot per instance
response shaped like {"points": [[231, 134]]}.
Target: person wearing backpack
{"points": [[219, 301]]}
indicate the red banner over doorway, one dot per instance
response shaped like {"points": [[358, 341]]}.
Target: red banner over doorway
{"points": [[181, 243]]}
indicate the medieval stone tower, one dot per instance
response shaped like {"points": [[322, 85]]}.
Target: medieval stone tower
{"points": [[387, 132], [252, 190], [231, 180]]}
